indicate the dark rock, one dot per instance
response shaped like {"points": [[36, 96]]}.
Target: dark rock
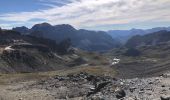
{"points": [[98, 88], [90, 77], [120, 93], [60, 78], [150, 82], [165, 97], [132, 89], [141, 89], [163, 85]]}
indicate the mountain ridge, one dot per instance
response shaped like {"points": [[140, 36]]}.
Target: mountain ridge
{"points": [[83, 39], [154, 38], [124, 35]]}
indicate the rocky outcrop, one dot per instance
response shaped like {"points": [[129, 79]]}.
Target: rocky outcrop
{"points": [[92, 87]]}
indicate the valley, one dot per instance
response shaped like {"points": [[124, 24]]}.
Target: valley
{"points": [[41, 68], [84, 50]]}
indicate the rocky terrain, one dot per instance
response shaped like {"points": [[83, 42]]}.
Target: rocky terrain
{"points": [[90, 87], [84, 86]]}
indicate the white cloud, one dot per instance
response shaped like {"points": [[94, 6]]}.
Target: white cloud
{"points": [[7, 26], [86, 13]]}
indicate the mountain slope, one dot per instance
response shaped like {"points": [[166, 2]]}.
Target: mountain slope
{"points": [[23, 30], [145, 55], [83, 39], [25, 53], [149, 39], [95, 41], [124, 35], [153, 60]]}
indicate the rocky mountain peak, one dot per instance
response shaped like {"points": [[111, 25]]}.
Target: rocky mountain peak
{"points": [[65, 26], [22, 29], [41, 25]]}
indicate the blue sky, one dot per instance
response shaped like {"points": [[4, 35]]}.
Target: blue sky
{"points": [[10, 6], [87, 14]]}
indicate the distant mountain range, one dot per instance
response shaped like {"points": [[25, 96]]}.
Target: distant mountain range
{"points": [[155, 38], [124, 35], [89, 40], [83, 39]]}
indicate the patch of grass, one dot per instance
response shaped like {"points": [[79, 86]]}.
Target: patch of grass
{"points": [[23, 77], [95, 58], [94, 70]]}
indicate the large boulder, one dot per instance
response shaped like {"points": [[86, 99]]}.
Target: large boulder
{"points": [[120, 93]]}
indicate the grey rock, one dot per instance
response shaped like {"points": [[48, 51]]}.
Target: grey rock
{"points": [[120, 93], [165, 97]]}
